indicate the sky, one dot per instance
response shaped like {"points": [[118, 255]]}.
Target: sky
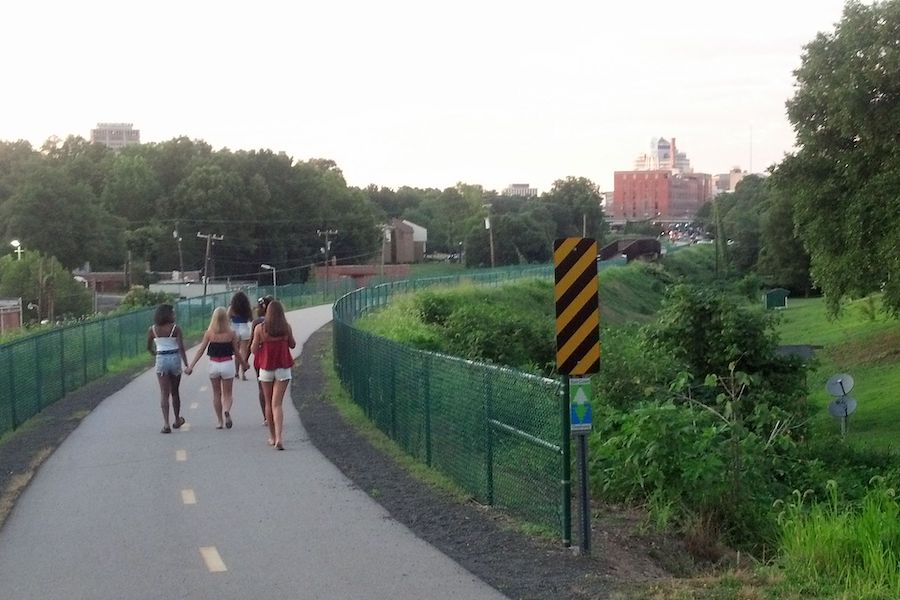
{"points": [[420, 93]]}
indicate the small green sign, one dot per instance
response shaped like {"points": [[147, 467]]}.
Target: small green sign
{"points": [[580, 409]]}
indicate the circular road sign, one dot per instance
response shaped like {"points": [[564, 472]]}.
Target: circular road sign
{"points": [[842, 407], [839, 385]]}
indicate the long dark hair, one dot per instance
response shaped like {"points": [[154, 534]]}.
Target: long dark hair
{"points": [[240, 306], [165, 314], [276, 323]]}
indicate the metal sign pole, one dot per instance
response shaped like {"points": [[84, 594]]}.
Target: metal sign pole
{"points": [[585, 512]]}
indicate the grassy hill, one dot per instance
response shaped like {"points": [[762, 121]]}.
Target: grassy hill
{"points": [[868, 349]]}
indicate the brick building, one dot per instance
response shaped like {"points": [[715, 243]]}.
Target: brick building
{"points": [[663, 185]]}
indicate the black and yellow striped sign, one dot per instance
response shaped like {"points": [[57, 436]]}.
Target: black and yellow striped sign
{"points": [[577, 306]]}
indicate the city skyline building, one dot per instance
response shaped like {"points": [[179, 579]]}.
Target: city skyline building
{"points": [[523, 190], [116, 135], [662, 186]]}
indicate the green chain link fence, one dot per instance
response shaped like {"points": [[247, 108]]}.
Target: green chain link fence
{"points": [[497, 432], [38, 370]]}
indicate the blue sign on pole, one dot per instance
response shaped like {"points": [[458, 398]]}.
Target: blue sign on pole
{"points": [[580, 410]]}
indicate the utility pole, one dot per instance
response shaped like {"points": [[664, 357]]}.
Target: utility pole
{"points": [[327, 235], [209, 237]]}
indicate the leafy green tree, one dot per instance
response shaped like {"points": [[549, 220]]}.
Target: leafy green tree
{"points": [[783, 261], [53, 214], [572, 202], [845, 178], [47, 288], [17, 159], [741, 221], [131, 190]]}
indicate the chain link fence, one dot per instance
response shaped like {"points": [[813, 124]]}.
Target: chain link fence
{"points": [[497, 432], [38, 370]]}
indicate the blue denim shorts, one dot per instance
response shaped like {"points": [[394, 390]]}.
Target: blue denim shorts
{"points": [[168, 364]]}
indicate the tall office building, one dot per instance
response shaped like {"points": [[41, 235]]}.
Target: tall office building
{"points": [[662, 186], [115, 135]]}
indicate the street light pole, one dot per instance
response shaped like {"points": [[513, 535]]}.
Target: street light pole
{"points": [[18, 248], [274, 280], [180, 255], [487, 225]]}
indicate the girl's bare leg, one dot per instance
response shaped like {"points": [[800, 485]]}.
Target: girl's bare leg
{"points": [[165, 387], [267, 387], [227, 399], [175, 386], [215, 383], [277, 412]]}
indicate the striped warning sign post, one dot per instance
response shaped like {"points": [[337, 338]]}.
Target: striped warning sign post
{"points": [[577, 306], [577, 353]]}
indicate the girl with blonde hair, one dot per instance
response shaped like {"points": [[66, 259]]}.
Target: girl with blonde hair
{"points": [[221, 344]]}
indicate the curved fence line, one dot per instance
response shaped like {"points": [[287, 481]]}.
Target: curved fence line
{"points": [[38, 370], [495, 431]]}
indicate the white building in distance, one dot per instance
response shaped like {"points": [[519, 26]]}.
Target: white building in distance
{"points": [[115, 135]]}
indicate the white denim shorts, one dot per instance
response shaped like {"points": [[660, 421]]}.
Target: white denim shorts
{"points": [[242, 330], [224, 369], [279, 374]]}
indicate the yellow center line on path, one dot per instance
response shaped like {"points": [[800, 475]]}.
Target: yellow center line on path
{"points": [[212, 559], [203, 388], [186, 427], [195, 405], [188, 497], [181, 455]]}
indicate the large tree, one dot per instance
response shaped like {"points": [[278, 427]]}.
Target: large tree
{"points": [[845, 178], [574, 205]]}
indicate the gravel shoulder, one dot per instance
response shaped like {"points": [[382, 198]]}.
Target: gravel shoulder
{"points": [[478, 538]]}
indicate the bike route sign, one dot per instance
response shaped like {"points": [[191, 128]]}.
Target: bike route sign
{"points": [[580, 410]]}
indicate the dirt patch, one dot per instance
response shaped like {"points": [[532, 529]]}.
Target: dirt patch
{"points": [[480, 539], [882, 348]]}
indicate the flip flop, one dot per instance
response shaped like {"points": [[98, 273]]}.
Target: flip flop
{"points": [[227, 420], [166, 429], [178, 423]]}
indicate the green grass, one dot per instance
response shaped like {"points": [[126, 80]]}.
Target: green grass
{"points": [[868, 349], [854, 553]]}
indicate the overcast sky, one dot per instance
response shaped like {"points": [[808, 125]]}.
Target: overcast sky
{"points": [[419, 93]]}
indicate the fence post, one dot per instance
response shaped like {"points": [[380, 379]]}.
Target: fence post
{"points": [[489, 438], [62, 360], [427, 394], [103, 342], [12, 388], [84, 353], [566, 463], [392, 396], [39, 377]]}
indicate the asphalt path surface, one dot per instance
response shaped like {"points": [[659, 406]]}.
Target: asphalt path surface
{"points": [[123, 511]]}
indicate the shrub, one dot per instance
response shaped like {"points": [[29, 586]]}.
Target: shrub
{"points": [[139, 296]]}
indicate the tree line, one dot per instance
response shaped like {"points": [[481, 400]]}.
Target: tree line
{"points": [[74, 203]]}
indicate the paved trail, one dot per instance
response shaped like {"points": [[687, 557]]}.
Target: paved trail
{"points": [[121, 511]]}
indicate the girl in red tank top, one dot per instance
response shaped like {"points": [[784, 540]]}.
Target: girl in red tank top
{"points": [[272, 343]]}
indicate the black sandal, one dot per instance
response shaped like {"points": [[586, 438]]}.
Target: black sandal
{"points": [[178, 423], [166, 429]]}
